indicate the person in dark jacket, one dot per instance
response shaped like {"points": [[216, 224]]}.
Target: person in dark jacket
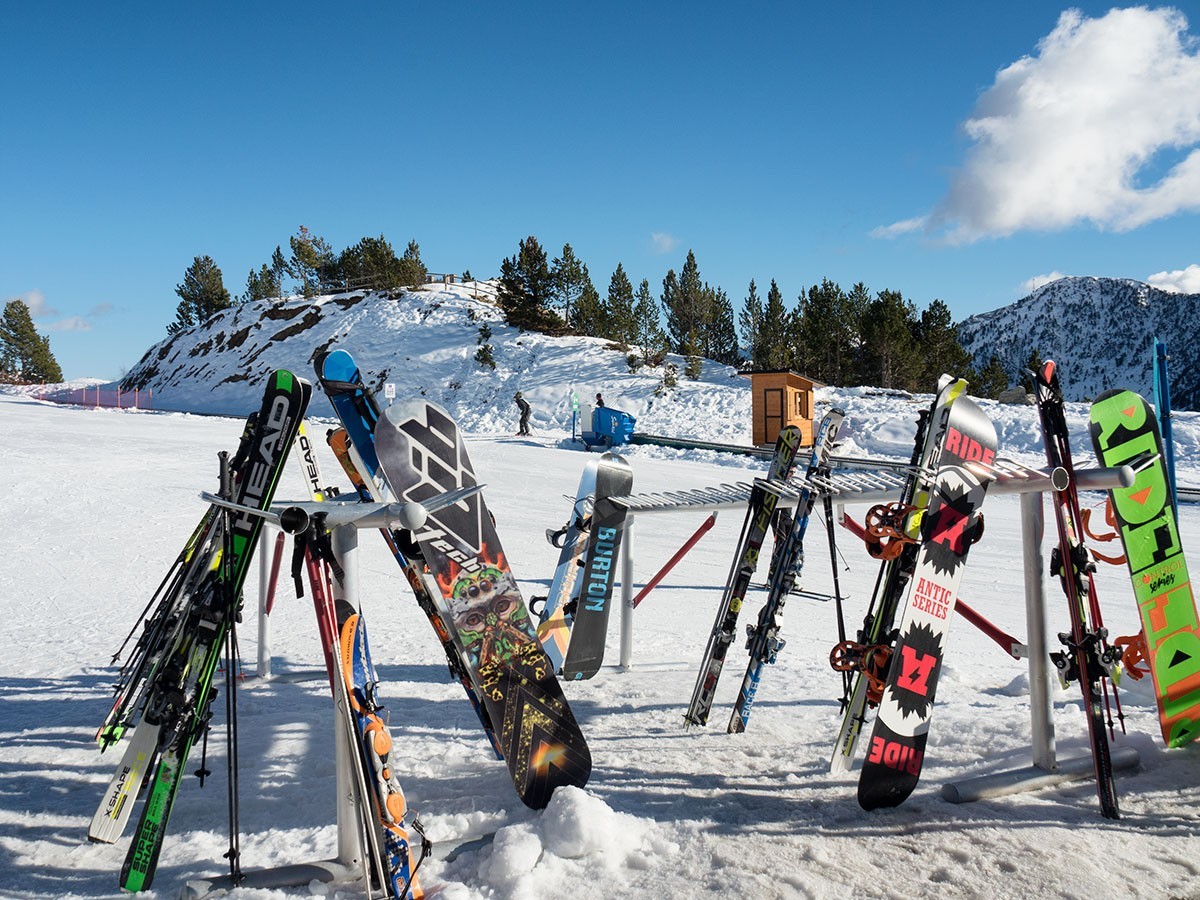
{"points": [[599, 402], [524, 407]]}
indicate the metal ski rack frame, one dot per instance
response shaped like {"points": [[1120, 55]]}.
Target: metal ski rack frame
{"points": [[880, 484], [867, 485], [1046, 769], [350, 863]]}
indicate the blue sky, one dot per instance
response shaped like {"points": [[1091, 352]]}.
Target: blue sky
{"points": [[945, 150]]}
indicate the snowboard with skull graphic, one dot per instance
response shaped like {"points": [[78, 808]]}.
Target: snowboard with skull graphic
{"points": [[422, 454]]}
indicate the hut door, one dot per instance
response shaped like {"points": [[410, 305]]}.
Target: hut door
{"points": [[773, 413]]}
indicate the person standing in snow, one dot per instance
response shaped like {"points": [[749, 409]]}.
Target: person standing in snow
{"points": [[524, 407]]}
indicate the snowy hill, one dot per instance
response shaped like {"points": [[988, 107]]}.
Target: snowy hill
{"points": [[1100, 331], [426, 341]]}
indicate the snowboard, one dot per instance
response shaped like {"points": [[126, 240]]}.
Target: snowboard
{"points": [[422, 454], [895, 572], [589, 633], [354, 447], [950, 525], [1123, 428], [558, 612]]}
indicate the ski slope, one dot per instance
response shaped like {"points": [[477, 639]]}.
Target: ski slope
{"points": [[99, 501]]}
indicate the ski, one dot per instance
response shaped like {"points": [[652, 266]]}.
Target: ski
{"points": [[558, 610], [1086, 656], [343, 633], [180, 702], [115, 807], [759, 515], [162, 620], [899, 524], [589, 632], [952, 522], [354, 447], [763, 638], [422, 454], [1125, 432]]}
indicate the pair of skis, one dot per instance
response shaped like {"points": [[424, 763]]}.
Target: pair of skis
{"points": [[763, 638], [760, 513], [180, 660], [389, 858]]}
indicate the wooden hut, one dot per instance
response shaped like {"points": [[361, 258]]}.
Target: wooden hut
{"points": [[780, 398]]}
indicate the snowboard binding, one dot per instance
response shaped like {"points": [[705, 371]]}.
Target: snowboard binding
{"points": [[887, 529], [872, 660]]}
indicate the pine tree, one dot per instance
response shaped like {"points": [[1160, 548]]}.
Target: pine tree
{"points": [[260, 285], [750, 321], [372, 264], [591, 317], [648, 333], [280, 268], [826, 332], [201, 295], [890, 350], [25, 356], [991, 380], [312, 262], [569, 276], [412, 271], [525, 290], [689, 309], [722, 334], [622, 326], [850, 365], [939, 346], [775, 350]]}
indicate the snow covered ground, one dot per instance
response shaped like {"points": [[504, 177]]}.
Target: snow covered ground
{"points": [[99, 501]]}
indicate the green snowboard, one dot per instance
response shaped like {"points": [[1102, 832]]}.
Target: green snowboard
{"points": [[1124, 428]]}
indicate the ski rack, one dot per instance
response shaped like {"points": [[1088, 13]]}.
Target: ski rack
{"points": [[350, 864], [1008, 477], [1046, 769]]}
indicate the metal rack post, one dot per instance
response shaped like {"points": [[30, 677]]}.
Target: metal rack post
{"points": [[347, 866], [1046, 769]]}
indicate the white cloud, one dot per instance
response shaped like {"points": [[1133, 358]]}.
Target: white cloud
{"points": [[1180, 281], [36, 301], [72, 323], [905, 226], [1029, 285], [663, 243], [1080, 131]]}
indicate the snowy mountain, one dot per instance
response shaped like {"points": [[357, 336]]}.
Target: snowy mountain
{"points": [[426, 341], [1101, 332]]}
